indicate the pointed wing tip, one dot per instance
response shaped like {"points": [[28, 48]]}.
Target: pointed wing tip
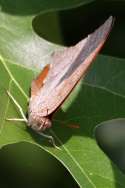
{"points": [[102, 32], [111, 18], [110, 22]]}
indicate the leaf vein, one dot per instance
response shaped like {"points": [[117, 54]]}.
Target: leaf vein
{"points": [[75, 161], [12, 78], [6, 109], [104, 88]]}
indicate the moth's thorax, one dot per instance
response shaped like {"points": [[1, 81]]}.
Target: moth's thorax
{"points": [[37, 122]]}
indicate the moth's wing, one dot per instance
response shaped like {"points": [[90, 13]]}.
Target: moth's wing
{"points": [[67, 69], [39, 81]]}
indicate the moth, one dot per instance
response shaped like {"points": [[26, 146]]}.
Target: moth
{"points": [[56, 81]]}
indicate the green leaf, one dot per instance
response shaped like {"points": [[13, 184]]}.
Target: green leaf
{"points": [[19, 43], [98, 98], [79, 151]]}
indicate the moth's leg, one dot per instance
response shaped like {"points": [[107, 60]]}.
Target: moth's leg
{"points": [[64, 123], [15, 119], [50, 138], [24, 119], [73, 126], [60, 121]]}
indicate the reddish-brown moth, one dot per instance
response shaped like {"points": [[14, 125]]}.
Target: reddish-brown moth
{"points": [[50, 89]]}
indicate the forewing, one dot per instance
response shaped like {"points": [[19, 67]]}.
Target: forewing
{"points": [[38, 83], [67, 69]]}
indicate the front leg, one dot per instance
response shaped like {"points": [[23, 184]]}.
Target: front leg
{"points": [[24, 119], [50, 138]]}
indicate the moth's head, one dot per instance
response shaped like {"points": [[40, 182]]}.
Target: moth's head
{"points": [[39, 124]]}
